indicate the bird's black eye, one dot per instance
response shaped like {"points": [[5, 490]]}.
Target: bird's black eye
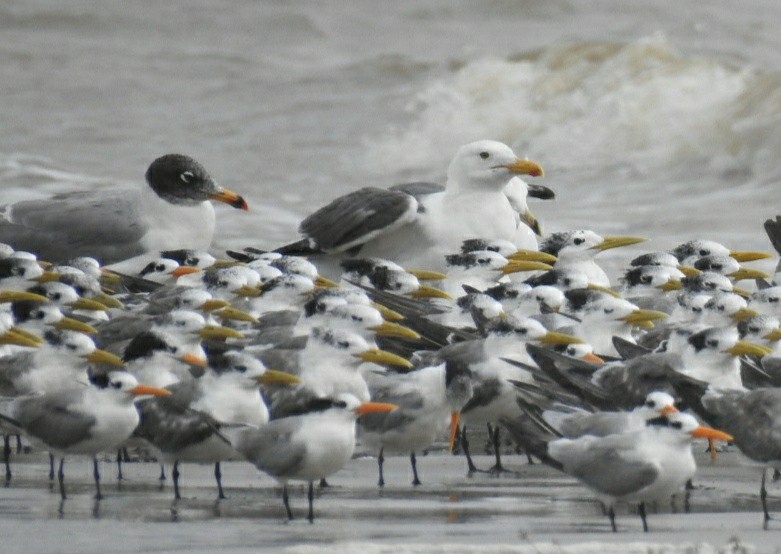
{"points": [[773, 299], [117, 385], [38, 315], [579, 241], [712, 343], [71, 347], [485, 155], [521, 331], [650, 404], [704, 252], [754, 330], [56, 296], [343, 344], [697, 310], [646, 279], [223, 283], [356, 318], [571, 351], [676, 425], [340, 404], [241, 368], [720, 308], [608, 310], [482, 261], [160, 267], [180, 323], [187, 176]]}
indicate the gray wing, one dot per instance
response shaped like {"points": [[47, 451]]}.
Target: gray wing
{"points": [[483, 393], [601, 465], [11, 368], [629, 383], [272, 448], [49, 419], [600, 424], [418, 190], [753, 418], [168, 422], [103, 224], [355, 218]]}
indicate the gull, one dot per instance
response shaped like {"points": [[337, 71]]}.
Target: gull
{"points": [[115, 224], [308, 446], [418, 230], [81, 421]]}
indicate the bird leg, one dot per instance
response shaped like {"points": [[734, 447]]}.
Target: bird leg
{"points": [[175, 475], [61, 478], [323, 483], [162, 473], [470, 465], [96, 475], [119, 465], [414, 462], [51, 467], [641, 510], [611, 513], [286, 502], [311, 496], [763, 497], [498, 468], [380, 461], [19, 444], [7, 456], [218, 477]]}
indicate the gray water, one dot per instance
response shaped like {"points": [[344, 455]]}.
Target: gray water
{"points": [[657, 118]]}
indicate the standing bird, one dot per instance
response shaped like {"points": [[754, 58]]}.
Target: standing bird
{"points": [[644, 465], [308, 446], [417, 230], [112, 225], [83, 421]]}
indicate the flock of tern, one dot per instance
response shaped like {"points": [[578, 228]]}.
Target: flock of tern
{"points": [[401, 318]]}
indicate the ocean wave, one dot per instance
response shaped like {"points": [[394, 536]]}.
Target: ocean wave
{"points": [[634, 108]]}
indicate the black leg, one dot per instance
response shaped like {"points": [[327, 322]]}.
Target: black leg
{"points": [[529, 459], [119, 465], [380, 461], [51, 467], [311, 497], [96, 475], [218, 476], [175, 475], [414, 463], [19, 444], [323, 483], [763, 497], [497, 447], [286, 502], [162, 472], [7, 456], [470, 465], [61, 478], [612, 515], [642, 516]]}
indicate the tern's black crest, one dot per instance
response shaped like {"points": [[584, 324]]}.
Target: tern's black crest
{"points": [[144, 344]]}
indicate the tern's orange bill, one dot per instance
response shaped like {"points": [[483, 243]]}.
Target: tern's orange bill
{"points": [[669, 409], [184, 270], [231, 198], [593, 358], [148, 390], [711, 433], [374, 408]]}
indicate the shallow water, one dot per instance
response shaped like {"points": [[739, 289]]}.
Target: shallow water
{"points": [[525, 512]]}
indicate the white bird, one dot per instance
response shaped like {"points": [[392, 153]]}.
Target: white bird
{"points": [[642, 466], [419, 230], [307, 447], [84, 421], [116, 224]]}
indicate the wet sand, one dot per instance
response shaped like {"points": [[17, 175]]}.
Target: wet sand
{"points": [[535, 510]]}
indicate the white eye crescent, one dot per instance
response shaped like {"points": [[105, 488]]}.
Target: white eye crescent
{"points": [[187, 176]]}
